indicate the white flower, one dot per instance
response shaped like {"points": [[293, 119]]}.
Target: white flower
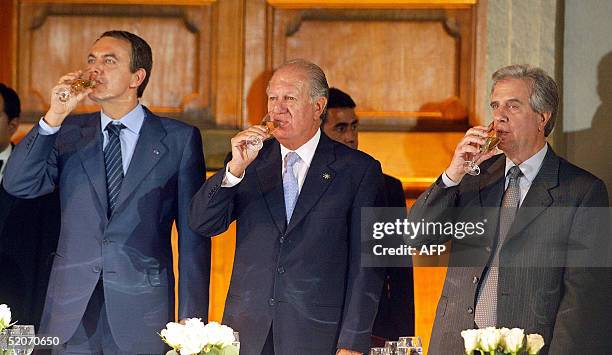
{"points": [[489, 339], [470, 339], [173, 335], [512, 339], [535, 343], [5, 316], [196, 337], [219, 335]]}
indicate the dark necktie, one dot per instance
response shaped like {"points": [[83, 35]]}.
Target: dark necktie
{"points": [[486, 304], [114, 165]]}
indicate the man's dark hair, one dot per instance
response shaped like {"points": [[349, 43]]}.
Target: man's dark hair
{"points": [[338, 99], [12, 105], [142, 57]]}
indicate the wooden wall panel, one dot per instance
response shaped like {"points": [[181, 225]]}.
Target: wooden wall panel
{"points": [[57, 37]]}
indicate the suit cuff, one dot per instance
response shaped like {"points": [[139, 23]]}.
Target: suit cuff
{"points": [[229, 180], [46, 130], [447, 182]]}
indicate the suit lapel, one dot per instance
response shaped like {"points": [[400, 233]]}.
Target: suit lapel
{"points": [[538, 198], [271, 183], [92, 157], [318, 179], [148, 152]]}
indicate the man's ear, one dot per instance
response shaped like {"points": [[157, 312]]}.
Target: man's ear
{"points": [[13, 125], [138, 77], [544, 118], [320, 104]]}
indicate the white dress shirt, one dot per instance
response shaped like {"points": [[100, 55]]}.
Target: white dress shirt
{"points": [[300, 169], [4, 155], [529, 168]]}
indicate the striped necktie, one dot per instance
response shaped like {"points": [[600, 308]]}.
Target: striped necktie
{"points": [[114, 165]]}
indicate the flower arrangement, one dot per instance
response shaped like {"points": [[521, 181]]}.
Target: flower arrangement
{"points": [[5, 322], [494, 341], [194, 337]]}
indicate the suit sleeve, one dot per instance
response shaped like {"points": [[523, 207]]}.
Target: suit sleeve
{"points": [[583, 325], [364, 285], [194, 251], [32, 169]]}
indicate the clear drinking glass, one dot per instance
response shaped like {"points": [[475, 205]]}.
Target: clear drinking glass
{"points": [[76, 87], [410, 345], [470, 166], [391, 346], [379, 351], [256, 142], [26, 343], [236, 341]]}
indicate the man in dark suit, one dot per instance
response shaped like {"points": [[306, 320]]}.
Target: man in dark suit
{"points": [[28, 231], [543, 268], [297, 285], [395, 316], [124, 176]]}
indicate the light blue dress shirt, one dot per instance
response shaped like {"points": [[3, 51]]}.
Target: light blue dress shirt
{"points": [[129, 136]]}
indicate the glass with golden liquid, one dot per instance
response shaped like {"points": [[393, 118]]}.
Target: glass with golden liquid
{"points": [[491, 143], [255, 142], [76, 87]]}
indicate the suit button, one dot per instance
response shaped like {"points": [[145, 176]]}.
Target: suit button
{"points": [[96, 268], [281, 270], [105, 241], [470, 310], [282, 239], [475, 280], [271, 301]]}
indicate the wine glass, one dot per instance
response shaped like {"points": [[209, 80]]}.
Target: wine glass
{"points": [[76, 87], [379, 351], [491, 142], [391, 346], [25, 333], [236, 341], [410, 346], [270, 125]]}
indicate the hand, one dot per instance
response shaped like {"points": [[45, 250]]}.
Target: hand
{"points": [[242, 154], [347, 352], [467, 147], [58, 109]]}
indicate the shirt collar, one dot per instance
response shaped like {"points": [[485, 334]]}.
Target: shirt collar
{"points": [[531, 166], [306, 151], [5, 154], [132, 121]]}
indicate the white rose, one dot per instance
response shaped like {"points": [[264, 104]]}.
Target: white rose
{"points": [[489, 339], [513, 339], [174, 335], [470, 339], [5, 316], [535, 343], [195, 337], [219, 335]]}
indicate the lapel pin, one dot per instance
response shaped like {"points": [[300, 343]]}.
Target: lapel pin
{"points": [[326, 176], [155, 151]]}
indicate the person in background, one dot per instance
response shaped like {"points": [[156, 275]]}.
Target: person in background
{"points": [[395, 316], [29, 229]]}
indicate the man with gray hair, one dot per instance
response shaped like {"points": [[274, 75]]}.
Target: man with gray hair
{"points": [[540, 268], [297, 286]]}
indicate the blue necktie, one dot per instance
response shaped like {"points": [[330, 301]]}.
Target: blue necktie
{"points": [[290, 183], [114, 165]]}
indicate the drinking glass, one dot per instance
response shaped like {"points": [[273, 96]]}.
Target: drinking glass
{"points": [[76, 87], [379, 351], [410, 345], [236, 341], [491, 142], [26, 346], [391, 346], [270, 125]]}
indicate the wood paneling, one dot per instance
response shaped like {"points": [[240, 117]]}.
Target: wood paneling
{"points": [[7, 41]]}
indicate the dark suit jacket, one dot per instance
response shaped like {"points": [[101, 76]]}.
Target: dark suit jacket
{"points": [[568, 306], [131, 250], [29, 230], [303, 279], [395, 316]]}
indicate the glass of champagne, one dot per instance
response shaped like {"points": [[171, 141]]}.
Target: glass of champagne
{"points": [[25, 333], [270, 125], [410, 345], [75, 88], [491, 142]]}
